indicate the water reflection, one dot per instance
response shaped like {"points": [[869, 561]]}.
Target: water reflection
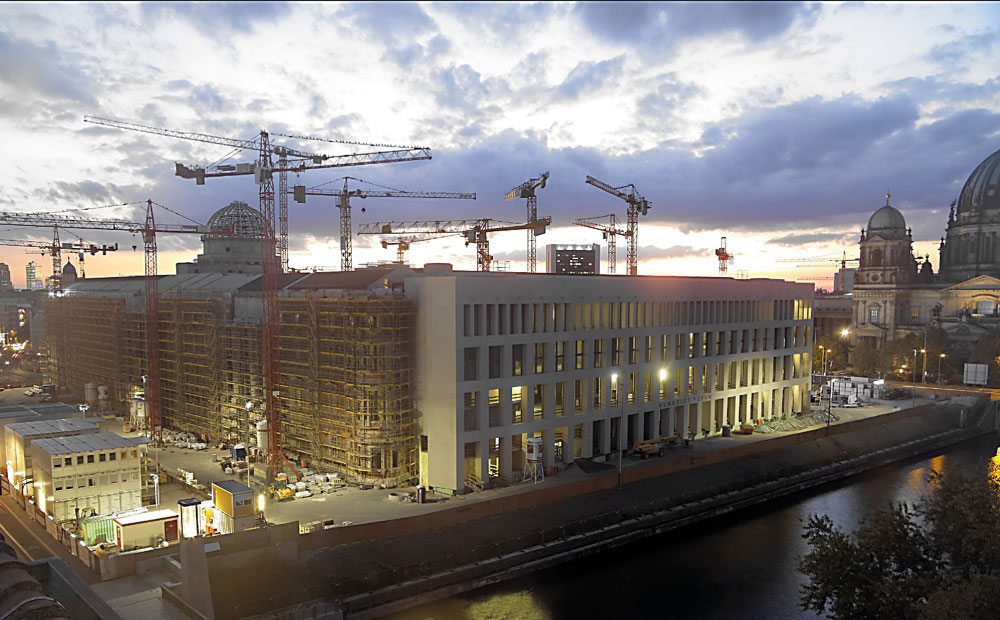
{"points": [[741, 565]]}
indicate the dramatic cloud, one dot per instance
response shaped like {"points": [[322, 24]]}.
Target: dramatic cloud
{"points": [[810, 238], [778, 124]]}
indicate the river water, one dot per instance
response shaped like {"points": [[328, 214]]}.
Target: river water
{"points": [[740, 565]]}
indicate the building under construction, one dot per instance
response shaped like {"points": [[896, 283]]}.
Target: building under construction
{"points": [[342, 371]]}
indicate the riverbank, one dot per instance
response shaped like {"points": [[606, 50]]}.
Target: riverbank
{"points": [[368, 578]]}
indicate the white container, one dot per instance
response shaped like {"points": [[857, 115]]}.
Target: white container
{"points": [[90, 393], [262, 436], [534, 450]]}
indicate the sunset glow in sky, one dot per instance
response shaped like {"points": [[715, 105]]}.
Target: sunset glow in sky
{"points": [[779, 126]]}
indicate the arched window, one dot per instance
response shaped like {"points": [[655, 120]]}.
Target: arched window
{"points": [[875, 257], [985, 306]]}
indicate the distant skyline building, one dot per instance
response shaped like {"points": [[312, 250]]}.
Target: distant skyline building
{"points": [[5, 283], [843, 280], [30, 275], [574, 259]]}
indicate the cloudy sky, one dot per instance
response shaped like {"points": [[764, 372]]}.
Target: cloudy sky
{"points": [[779, 126]]}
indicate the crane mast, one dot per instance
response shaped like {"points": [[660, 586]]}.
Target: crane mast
{"points": [[528, 190], [636, 205], [344, 196], [610, 231]]}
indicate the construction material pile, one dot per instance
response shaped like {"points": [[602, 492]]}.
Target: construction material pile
{"points": [[788, 424], [315, 484], [181, 439]]}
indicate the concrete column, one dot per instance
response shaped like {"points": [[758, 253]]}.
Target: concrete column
{"points": [[549, 447], [506, 464], [656, 434], [587, 449], [605, 436], [483, 454], [482, 409]]}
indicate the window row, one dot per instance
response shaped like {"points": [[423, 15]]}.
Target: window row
{"points": [[68, 484], [528, 402], [540, 318], [94, 457], [503, 361]]}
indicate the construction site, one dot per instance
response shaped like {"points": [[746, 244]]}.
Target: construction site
{"points": [[344, 372]]}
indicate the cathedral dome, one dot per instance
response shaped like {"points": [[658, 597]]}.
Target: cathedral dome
{"points": [[887, 218], [69, 270], [238, 217], [980, 192]]}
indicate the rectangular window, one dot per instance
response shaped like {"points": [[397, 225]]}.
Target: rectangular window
{"points": [[79, 460], [598, 353], [67, 462], [579, 355], [471, 353], [579, 386], [57, 463], [649, 349], [873, 315], [496, 354], [102, 457], [665, 347], [517, 410], [560, 356], [517, 360], [633, 353], [539, 358], [112, 456], [560, 399], [539, 394], [616, 351]]}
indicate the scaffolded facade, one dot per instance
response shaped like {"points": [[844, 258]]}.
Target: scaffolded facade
{"points": [[343, 371]]}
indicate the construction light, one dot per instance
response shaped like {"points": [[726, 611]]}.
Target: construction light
{"points": [[663, 374]]}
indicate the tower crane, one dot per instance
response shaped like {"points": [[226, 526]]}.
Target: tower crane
{"points": [[528, 190], [611, 230], [636, 205], [148, 230], [819, 261], [55, 248], [403, 243], [725, 258], [344, 204], [474, 231], [263, 169]]}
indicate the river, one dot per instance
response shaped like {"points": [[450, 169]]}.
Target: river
{"points": [[741, 565]]}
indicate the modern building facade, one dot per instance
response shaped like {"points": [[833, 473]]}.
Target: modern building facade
{"points": [[593, 364], [18, 438], [31, 276], [573, 260], [5, 282]]}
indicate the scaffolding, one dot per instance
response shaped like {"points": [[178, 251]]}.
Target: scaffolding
{"points": [[344, 380], [342, 376]]}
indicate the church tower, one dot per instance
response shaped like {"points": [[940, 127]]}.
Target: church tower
{"points": [[886, 273]]}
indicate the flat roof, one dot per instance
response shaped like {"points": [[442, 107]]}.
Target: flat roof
{"points": [[38, 411], [145, 517], [46, 427], [71, 444], [233, 486]]}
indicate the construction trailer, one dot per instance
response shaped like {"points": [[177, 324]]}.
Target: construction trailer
{"points": [[342, 365]]}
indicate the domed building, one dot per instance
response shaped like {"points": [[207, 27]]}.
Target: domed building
{"points": [[895, 295], [69, 275], [233, 246]]}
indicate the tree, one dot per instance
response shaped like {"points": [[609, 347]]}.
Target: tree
{"points": [[865, 359], [837, 349], [938, 560]]}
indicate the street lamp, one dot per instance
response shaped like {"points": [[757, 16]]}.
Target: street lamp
{"points": [[621, 422], [940, 357], [913, 380], [923, 377], [845, 332], [822, 367]]}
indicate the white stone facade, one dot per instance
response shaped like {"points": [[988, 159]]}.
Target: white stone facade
{"points": [[500, 358]]}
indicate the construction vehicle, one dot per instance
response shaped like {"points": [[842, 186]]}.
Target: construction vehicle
{"points": [[280, 493], [657, 447]]}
